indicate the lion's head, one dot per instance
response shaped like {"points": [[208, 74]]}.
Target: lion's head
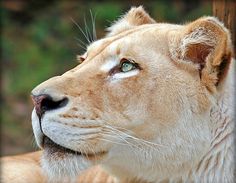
{"points": [[139, 102]]}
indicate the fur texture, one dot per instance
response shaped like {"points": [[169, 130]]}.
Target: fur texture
{"points": [[168, 120]]}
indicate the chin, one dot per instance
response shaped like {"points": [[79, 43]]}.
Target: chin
{"points": [[61, 164], [63, 167]]}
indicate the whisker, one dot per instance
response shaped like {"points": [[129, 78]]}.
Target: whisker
{"points": [[127, 143], [122, 139], [87, 31], [84, 44], [151, 144], [93, 25], [112, 141], [81, 47], [81, 30], [81, 44]]}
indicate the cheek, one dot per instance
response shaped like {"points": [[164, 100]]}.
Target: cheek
{"points": [[164, 102], [127, 103], [123, 93], [94, 98], [163, 108], [91, 91]]}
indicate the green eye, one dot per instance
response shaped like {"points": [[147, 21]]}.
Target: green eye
{"points": [[127, 66]]}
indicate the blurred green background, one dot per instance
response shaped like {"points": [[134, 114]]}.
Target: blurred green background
{"points": [[38, 41]]}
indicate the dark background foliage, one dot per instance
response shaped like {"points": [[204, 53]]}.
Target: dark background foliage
{"points": [[39, 40]]}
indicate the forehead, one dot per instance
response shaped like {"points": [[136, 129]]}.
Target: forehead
{"points": [[152, 36]]}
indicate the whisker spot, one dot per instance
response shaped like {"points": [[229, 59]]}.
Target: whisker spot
{"points": [[74, 109]]}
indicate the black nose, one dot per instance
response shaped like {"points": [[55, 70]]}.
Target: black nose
{"points": [[45, 103]]}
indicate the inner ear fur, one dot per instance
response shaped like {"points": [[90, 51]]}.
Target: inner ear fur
{"points": [[134, 17], [206, 43]]}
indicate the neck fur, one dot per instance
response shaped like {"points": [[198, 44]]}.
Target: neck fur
{"points": [[217, 165]]}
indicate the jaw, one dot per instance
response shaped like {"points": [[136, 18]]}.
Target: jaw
{"points": [[66, 167], [123, 161], [160, 162], [64, 164]]}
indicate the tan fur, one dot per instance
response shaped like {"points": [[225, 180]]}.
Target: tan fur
{"points": [[169, 121], [22, 168], [26, 169]]}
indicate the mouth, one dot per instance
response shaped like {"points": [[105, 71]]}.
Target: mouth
{"points": [[55, 149]]}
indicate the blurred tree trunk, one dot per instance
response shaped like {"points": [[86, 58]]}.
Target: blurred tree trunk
{"points": [[225, 11]]}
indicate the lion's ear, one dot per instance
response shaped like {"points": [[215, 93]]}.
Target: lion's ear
{"points": [[136, 16], [206, 43]]}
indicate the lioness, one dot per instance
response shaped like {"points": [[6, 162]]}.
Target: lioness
{"points": [[151, 102]]}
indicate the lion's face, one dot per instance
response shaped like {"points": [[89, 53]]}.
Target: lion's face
{"points": [[130, 105]]}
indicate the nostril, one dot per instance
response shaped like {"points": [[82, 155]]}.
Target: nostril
{"points": [[49, 104], [45, 103]]}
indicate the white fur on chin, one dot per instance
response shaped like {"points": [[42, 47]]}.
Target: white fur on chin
{"points": [[63, 169]]}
